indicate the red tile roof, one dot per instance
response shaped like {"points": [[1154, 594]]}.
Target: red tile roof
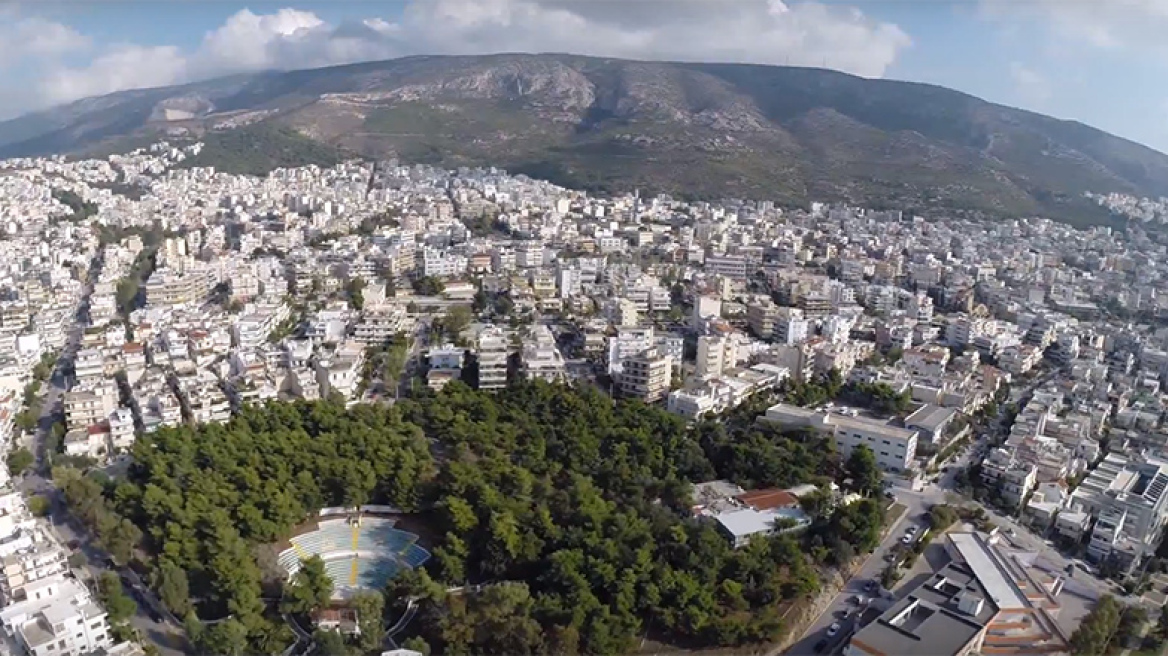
{"points": [[768, 498]]}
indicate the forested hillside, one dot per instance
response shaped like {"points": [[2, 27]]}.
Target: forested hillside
{"points": [[572, 511]]}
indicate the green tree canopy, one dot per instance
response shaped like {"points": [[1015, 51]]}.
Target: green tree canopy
{"points": [[19, 461], [1097, 628], [863, 471], [580, 508], [119, 606], [310, 588]]}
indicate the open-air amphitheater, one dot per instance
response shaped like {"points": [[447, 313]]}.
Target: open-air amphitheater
{"points": [[360, 551]]}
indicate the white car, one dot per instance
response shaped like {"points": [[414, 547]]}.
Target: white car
{"points": [[833, 629], [909, 534]]}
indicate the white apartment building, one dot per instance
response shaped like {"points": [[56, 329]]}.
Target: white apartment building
{"points": [[442, 264], [928, 361], [1014, 478], [612, 244], [89, 363], [91, 404], [894, 447], [121, 424], [540, 358], [168, 287], [623, 313], [502, 259], [251, 330], [790, 330], [725, 391], [445, 365], [529, 255], [731, 266], [59, 617], [1020, 359], [205, 399], [1127, 498], [244, 284], [379, 323], [493, 349], [713, 352], [28, 555], [340, 372], [646, 376]]}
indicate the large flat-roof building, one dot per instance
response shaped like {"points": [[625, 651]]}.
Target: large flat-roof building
{"points": [[894, 446], [983, 601]]}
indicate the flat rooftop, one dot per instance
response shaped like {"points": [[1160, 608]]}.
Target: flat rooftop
{"points": [[983, 589], [915, 627], [930, 417]]}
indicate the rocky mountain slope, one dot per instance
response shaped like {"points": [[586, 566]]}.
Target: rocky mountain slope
{"points": [[789, 134]]}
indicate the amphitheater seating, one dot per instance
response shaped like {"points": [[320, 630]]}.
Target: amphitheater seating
{"points": [[415, 556], [365, 556], [383, 537], [289, 560], [339, 569], [376, 572], [330, 536]]}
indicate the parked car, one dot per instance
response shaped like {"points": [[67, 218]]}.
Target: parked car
{"points": [[833, 629], [909, 534], [821, 645], [871, 587]]}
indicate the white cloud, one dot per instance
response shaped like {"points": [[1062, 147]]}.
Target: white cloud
{"points": [[755, 31], [122, 67], [1103, 24], [1030, 85], [247, 41], [28, 38], [40, 37]]}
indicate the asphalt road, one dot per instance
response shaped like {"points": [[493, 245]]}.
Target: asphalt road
{"points": [[167, 634], [917, 506]]}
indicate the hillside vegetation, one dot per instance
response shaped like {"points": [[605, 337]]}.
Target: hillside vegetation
{"points": [[696, 130], [261, 148]]}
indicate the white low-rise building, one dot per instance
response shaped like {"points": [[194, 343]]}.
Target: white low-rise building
{"points": [[894, 447]]}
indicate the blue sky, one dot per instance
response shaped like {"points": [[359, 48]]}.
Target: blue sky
{"points": [[1096, 61]]}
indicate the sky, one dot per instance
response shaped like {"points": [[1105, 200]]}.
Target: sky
{"points": [[1096, 61]]}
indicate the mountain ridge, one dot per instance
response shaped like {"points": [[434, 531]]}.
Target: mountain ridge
{"points": [[694, 129]]}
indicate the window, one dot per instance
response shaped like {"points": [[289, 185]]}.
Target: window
{"points": [[886, 442]]}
